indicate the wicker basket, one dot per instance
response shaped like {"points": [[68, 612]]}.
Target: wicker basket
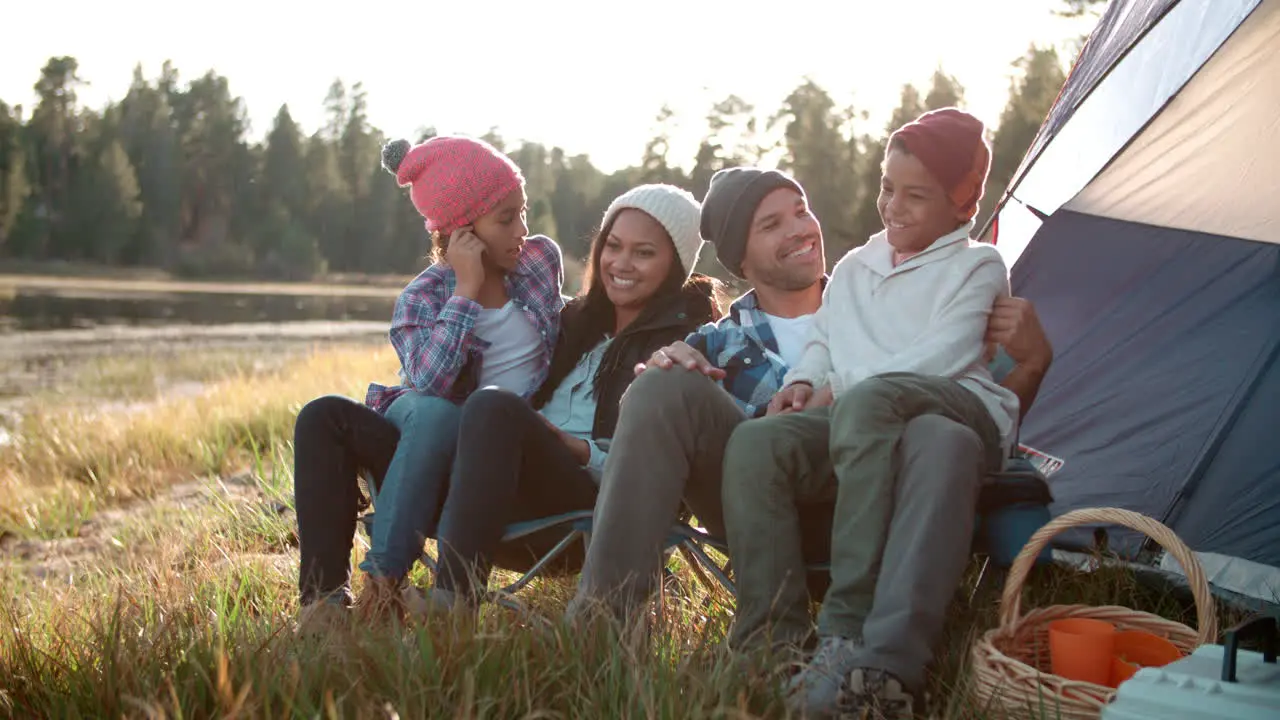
{"points": [[1010, 664]]}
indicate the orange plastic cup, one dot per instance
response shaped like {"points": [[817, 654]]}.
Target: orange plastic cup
{"points": [[1135, 649], [1082, 649], [1122, 670]]}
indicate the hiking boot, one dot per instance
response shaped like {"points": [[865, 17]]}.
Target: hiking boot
{"points": [[321, 618], [419, 604], [380, 600], [871, 694], [813, 692]]}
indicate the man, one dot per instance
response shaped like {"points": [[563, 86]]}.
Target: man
{"points": [[899, 337], [678, 415]]}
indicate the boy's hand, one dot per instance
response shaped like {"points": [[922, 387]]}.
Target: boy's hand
{"points": [[822, 398], [792, 398], [678, 353]]}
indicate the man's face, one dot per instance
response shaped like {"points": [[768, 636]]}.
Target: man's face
{"points": [[784, 243]]}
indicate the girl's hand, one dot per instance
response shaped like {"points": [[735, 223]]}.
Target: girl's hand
{"points": [[465, 256]]}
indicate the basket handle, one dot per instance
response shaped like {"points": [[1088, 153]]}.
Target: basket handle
{"points": [[1011, 598]]}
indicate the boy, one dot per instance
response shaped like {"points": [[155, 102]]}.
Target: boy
{"points": [[899, 335]]}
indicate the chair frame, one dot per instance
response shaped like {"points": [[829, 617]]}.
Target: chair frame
{"points": [[690, 541]]}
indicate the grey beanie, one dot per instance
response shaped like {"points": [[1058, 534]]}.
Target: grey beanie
{"points": [[731, 202]]}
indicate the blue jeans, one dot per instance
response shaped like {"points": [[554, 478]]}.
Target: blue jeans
{"points": [[408, 503]]}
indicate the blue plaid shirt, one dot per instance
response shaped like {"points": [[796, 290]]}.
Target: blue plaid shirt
{"points": [[744, 346]]}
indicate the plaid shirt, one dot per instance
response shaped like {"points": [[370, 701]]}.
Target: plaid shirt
{"points": [[433, 331], [744, 346]]}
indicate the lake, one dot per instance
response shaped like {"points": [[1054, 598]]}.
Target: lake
{"points": [[68, 307]]}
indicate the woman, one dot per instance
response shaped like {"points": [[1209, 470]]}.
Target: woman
{"points": [[519, 461]]}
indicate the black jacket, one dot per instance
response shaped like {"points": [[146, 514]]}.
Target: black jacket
{"points": [[673, 320]]}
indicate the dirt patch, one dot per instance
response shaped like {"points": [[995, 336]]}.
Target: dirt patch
{"points": [[97, 543]]}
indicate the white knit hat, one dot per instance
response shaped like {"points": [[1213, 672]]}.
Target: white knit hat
{"points": [[677, 210]]}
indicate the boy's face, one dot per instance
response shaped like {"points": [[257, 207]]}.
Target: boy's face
{"points": [[913, 205], [784, 243]]}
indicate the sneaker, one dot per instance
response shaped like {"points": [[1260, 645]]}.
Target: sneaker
{"points": [[814, 690], [321, 618], [872, 694]]}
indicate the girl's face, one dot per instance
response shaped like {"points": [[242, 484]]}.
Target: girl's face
{"points": [[636, 259], [503, 230]]}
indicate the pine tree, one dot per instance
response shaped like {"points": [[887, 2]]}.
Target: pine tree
{"points": [[105, 197], [1031, 95]]}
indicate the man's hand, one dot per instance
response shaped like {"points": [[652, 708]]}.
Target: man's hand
{"points": [[792, 398], [680, 354], [1015, 325]]}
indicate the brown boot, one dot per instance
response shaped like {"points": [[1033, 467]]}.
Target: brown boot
{"points": [[380, 600], [321, 619]]}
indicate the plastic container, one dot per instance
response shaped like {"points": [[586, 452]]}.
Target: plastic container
{"points": [[1135, 650], [1216, 682], [1082, 649]]}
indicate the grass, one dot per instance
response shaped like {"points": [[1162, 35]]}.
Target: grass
{"points": [[68, 459], [144, 377], [154, 576]]}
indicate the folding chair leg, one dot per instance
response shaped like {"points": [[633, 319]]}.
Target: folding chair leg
{"points": [[709, 565], [696, 566], [528, 577]]}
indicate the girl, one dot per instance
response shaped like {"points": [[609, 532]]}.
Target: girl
{"points": [[517, 460], [484, 313]]}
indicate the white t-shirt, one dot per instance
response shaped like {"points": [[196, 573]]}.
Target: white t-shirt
{"points": [[515, 348], [791, 334]]}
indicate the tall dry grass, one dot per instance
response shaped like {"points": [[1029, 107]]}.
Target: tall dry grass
{"points": [[180, 603], [69, 459]]}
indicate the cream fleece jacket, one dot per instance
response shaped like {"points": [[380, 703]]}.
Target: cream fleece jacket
{"points": [[928, 316]]}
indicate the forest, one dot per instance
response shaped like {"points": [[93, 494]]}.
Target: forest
{"points": [[168, 178]]}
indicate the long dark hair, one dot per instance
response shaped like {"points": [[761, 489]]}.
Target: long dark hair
{"points": [[591, 316]]}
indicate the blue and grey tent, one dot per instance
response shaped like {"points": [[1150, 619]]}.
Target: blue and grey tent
{"points": [[1144, 223]]}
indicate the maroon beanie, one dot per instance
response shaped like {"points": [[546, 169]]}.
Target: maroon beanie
{"points": [[950, 144]]}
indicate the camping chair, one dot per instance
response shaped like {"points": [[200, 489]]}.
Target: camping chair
{"points": [[576, 526], [1012, 505]]}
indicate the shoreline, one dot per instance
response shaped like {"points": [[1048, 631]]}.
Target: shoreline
{"points": [[72, 286]]}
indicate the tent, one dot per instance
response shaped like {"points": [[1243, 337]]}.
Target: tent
{"points": [[1144, 223]]}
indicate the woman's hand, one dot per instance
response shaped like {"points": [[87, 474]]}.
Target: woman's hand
{"points": [[579, 448]]}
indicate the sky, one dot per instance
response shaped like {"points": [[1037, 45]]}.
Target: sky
{"points": [[587, 76]]}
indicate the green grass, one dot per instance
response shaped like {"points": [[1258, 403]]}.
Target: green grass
{"points": [[156, 578]]}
